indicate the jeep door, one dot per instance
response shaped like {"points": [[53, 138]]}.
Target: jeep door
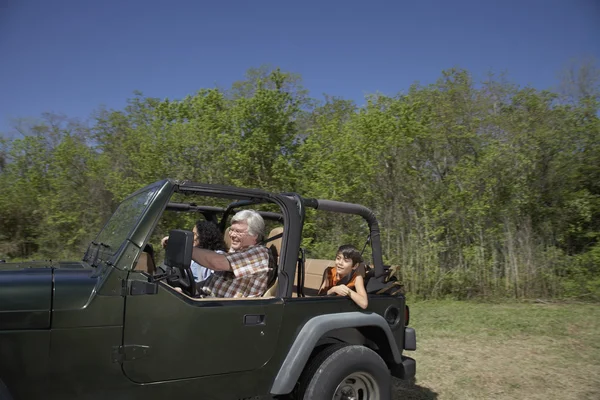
{"points": [[170, 336]]}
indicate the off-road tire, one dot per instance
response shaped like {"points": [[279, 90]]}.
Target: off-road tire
{"points": [[328, 369]]}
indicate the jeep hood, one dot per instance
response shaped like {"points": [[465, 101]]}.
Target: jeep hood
{"points": [[27, 290]]}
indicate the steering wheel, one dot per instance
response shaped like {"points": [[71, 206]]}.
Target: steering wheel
{"points": [[182, 278], [187, 282]]}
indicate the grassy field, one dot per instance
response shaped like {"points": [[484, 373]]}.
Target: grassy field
{"points": [[504, 351]]}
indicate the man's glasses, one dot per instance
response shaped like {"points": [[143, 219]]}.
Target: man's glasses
{"points": [[238, 233]]}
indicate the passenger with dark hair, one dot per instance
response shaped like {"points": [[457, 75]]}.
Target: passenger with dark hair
{"points": [[344, 279], [206, 236]]}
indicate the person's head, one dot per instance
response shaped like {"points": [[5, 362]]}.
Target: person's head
{"points": [[247, 229], [208, 236], [347, 259]]}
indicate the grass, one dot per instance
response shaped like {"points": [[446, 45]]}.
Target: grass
{"points": [[504, 351]]}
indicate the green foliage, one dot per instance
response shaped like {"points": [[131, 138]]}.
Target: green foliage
{"points": [[482, 190]]}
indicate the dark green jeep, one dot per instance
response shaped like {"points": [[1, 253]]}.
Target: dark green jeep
{"points": [[114, 326]]}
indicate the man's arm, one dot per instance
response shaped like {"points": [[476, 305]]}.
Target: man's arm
{"points": [[210, 259]]}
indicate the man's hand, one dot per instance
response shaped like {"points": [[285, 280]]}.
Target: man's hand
{"points": [[164, 241], [341, 290]]}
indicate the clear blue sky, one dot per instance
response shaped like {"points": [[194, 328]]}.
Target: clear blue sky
{"points": [[72, 56]]}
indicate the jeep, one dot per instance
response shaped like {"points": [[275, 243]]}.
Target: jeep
{"points": [[119, 325]]}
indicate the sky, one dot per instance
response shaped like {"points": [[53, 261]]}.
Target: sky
{"points": [[73, 56]]}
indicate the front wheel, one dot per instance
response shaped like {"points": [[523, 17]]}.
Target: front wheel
{"points": [[343, 372]]}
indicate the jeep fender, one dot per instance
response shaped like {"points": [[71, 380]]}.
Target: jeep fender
{"points": [[309, 335]]}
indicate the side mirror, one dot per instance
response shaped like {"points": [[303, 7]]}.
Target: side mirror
{"points": [[178, 253], [178, 256]]}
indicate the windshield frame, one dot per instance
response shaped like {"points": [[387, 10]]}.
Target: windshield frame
{"points": [[117, 231]]}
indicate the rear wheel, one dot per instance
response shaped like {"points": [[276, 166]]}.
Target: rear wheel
{"points": [[342, 372]]}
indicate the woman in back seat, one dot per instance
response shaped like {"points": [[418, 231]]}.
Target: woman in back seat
{"points": [[343, 279]]}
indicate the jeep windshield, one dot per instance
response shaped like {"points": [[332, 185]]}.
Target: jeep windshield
{"points": [[119, 226]]}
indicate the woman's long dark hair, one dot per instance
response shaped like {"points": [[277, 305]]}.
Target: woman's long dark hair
{"points": [[209, 235]]}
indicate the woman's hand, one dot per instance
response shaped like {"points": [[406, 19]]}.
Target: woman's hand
{"points": [[164, 241]]}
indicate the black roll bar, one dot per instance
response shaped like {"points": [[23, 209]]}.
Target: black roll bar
{"points": [[356, 209]]}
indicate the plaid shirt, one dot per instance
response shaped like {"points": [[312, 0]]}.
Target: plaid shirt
{"points": [[249, 275]]}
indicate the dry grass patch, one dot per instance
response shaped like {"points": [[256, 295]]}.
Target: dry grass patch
{"points": [[508, 351]]}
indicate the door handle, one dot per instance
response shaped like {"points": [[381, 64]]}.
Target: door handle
{"points": [[254, 319]]}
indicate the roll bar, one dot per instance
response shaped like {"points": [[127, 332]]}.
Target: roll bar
{"points": [[356, 209]]}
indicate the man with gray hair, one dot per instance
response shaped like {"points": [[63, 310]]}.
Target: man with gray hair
{"points": [[244, 271]]}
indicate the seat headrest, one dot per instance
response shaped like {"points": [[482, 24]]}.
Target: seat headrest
{"points": [[145, 263], [361, 270], [276, 242]]}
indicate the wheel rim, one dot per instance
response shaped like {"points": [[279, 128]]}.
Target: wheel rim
{"points": [[357, 386]]}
